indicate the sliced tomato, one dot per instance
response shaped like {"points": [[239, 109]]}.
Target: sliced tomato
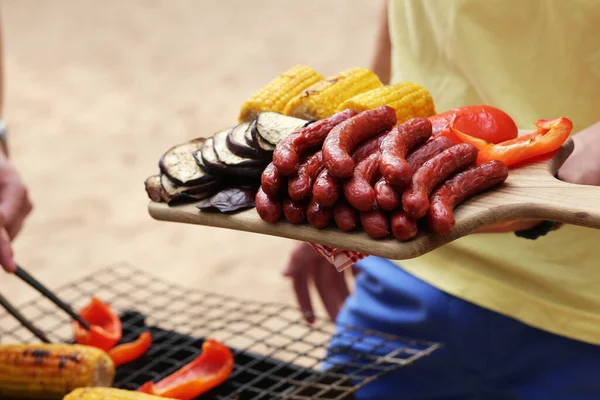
{"points": [[480, 121]]}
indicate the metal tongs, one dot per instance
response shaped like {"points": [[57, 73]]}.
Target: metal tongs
{"points": [[31, 281]]}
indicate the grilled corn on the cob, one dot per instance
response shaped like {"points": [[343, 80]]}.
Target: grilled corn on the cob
{"points": [[408, 99], [322, 99], [49, 371], [108, 394], [276, 94]]}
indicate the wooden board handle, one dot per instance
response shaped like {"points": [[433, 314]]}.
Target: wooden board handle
{"points": [[566, 202]]}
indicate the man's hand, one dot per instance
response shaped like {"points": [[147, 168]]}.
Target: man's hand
{"points": [[583, 165], [306, 265], [15, 206]]}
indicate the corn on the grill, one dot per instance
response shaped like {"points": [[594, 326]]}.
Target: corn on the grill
{"points": [[408, 99], [49, 371], [322, 99], [108, 394], [276, 94]]}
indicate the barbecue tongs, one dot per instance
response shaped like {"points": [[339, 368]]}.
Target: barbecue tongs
{"points": [[31, 281]]}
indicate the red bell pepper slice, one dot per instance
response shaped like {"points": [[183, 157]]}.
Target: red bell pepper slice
{"points": [[105, 326], [211, 368], [550, 135], [128, 352], [481, 121]]}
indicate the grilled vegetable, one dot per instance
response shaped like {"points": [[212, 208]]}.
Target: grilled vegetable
{"points": [[259, 141], [207, 371], [273, 127], [155, 190], [276, 94], [209, 158], [226, 156], [322, 99], [105, 326], [242, 145], [177, 193], [128, 352], [408, 99], [49, 371], [179, 165], [100, 393]]}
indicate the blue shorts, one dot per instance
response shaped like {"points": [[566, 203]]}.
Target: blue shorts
{"points": [[485, 355]]}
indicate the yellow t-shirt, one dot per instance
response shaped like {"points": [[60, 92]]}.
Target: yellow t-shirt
{"points": [[533, 59]]}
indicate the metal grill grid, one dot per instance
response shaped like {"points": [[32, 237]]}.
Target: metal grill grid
{"points": [[276, 354]]}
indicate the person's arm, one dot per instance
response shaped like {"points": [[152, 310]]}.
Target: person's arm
{"points": [[382, 59], [14, 200]]}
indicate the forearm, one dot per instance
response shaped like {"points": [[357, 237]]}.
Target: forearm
{"points": [[382, 59]]}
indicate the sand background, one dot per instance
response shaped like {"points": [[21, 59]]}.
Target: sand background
{"points": [[96, 91]]}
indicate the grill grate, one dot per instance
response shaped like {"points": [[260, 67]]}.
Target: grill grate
{"points": [[276, 354]]}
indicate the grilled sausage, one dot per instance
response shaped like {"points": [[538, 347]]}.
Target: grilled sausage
{"points": [[403, 227], [396, 146], [326, 189], [388, 198], [345, 216], [288, 152], [268, 208], [430, 149], [376, 223], [294, 212], [341, 141], [319, 216], [459, 188], [415, 199], [359, 189], [271, 181], [300, 186]]}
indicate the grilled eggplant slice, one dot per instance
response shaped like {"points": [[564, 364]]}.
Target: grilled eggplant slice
{"points": [[258, 140], [239, 145], [227, 157], [175, 193], [179, 165], [155, 190], [273, 126], [208, 157]]}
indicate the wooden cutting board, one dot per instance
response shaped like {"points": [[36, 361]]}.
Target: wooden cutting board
{"points": [[530, 192]]}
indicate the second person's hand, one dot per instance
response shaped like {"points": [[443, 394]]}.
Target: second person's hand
{"points": [[305, 266], [15, 206]]}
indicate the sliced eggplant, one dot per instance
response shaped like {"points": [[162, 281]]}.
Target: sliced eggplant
{"points": [[179, 164], [273, 127], [155, 190], [239, 145], [177, 193], [209, 158], [258, 140], [200, 162], [227, 157]]}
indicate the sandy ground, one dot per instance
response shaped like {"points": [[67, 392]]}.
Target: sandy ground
{"points": [[96, 91]]}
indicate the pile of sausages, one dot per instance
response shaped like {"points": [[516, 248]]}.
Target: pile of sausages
{"points": [[361, 169]]}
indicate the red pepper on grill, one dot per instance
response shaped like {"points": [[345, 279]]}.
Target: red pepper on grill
{"points": [[211, 368], [128, 352], [105, 326]]}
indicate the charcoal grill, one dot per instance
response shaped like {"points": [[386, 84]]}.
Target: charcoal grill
{"points": [[276, 355]]}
